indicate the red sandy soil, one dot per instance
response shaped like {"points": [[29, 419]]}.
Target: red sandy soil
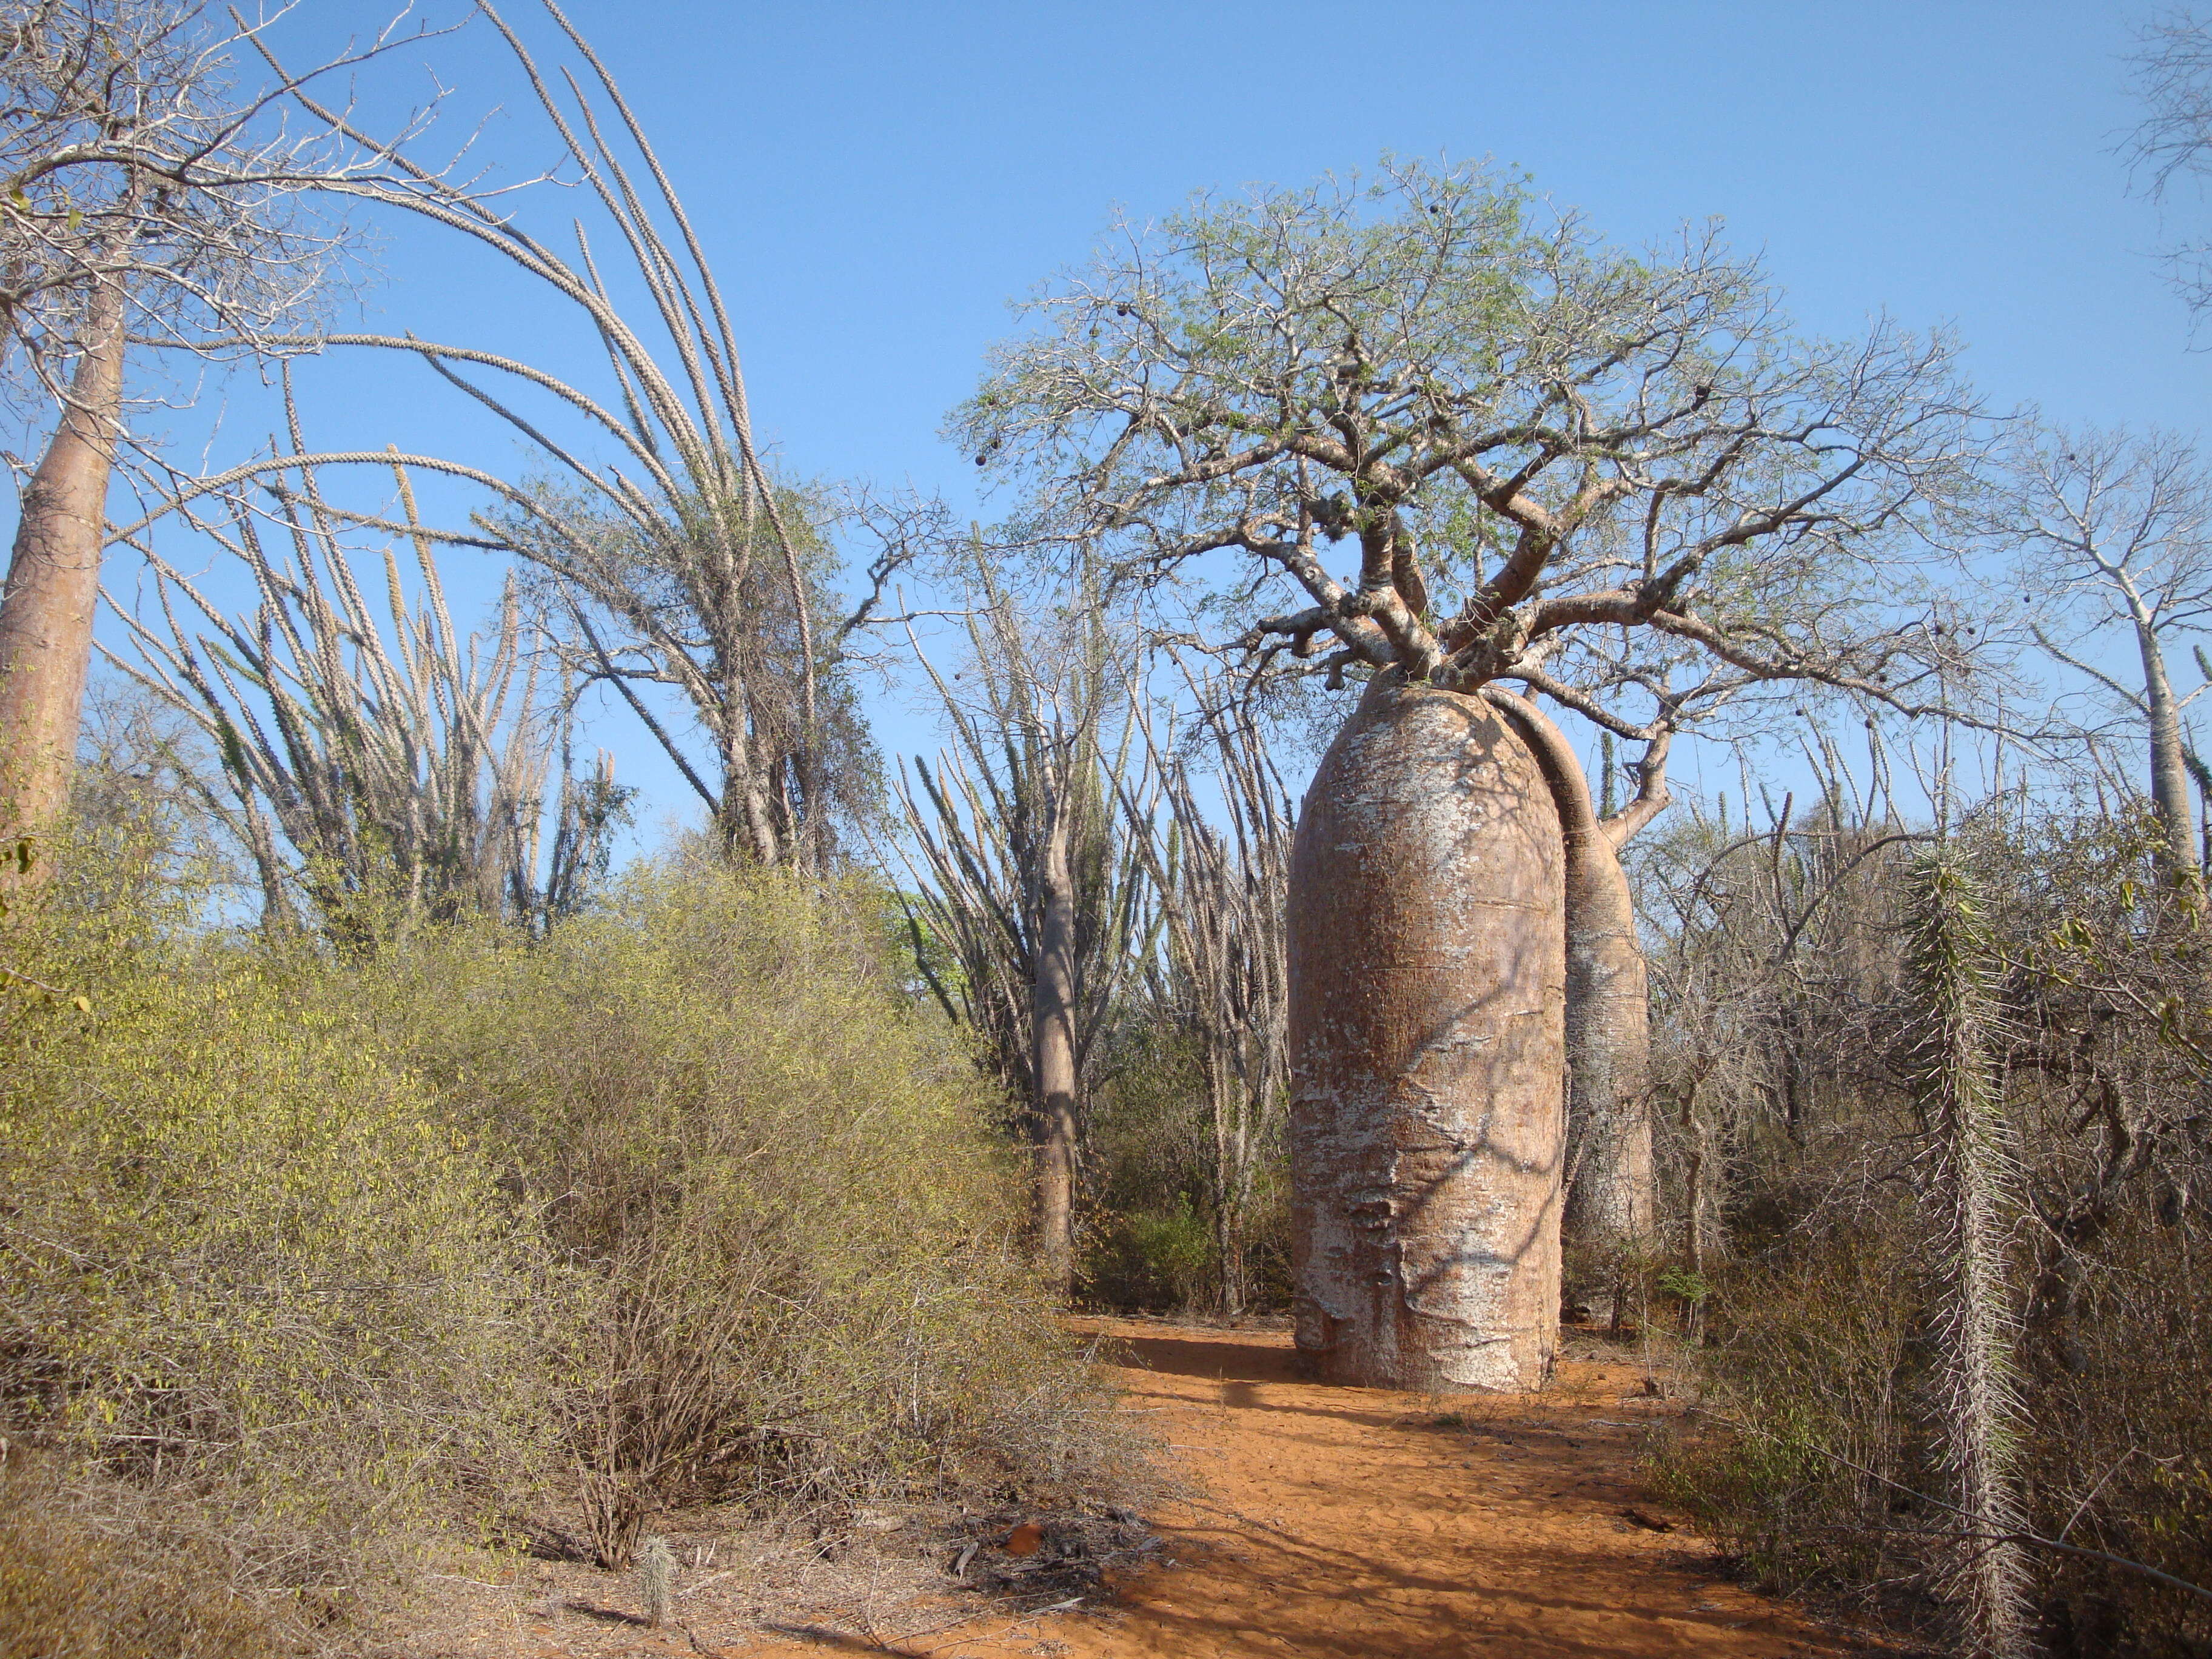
{"points": [[1328, 1522]]}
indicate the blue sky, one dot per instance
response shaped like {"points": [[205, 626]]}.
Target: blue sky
{"points": [[874, 181]]}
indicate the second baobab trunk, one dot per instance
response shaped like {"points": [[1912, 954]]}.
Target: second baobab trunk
{"points": [[1427, 985], [1611, 1200]]}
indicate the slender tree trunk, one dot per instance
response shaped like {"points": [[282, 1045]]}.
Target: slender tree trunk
{"points": [[2169, 767], [1427, 979], [1612, 1202], [1053, 1033], [54, 585], [1228, 1208]]}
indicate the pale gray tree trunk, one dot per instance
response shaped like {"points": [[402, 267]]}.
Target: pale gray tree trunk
{"points": [[1052, 1031], [1612, 1194], [53, 585], [2169, 768], [1427, 986]]}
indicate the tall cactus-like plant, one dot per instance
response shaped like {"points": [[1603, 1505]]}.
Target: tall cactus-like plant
{"points": [[1970, 1169], [1011, 847], [405, 765], [1222, 878]]}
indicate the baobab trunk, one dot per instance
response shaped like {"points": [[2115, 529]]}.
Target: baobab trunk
{"points": [[1053, 1060], [1427, 976], [1611, 1196], [54, 585]]}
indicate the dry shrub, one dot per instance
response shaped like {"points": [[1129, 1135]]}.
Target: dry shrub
{"points": [[2120, 1438], [75, 1586], [1826, 1468], [1812, 1376], [249, 1261], [790, 1243]]}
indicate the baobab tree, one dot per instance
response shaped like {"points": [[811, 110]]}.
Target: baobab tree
{"points": [[1540, 449], [146, 196]]}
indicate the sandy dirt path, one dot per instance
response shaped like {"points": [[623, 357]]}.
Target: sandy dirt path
{"points": [[1354, 1521], [1322, 1523]]}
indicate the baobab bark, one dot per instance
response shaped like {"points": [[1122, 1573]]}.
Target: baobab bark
{"points": [[1053, 1056], [54, 585], [1611, 1196], [1427, 979]]}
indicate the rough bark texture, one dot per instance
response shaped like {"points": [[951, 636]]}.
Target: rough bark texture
{"points": [[1053, 1017], [53, 586], [1427, 979], [1611, 1197]]}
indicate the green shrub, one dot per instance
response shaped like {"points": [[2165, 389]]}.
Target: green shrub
{"points": [[248, 1255], [790, 1240], [1158, 1263], [314, 1255]]}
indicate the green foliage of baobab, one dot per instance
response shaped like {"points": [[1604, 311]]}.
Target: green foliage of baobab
{"points": [[1528, 438]]}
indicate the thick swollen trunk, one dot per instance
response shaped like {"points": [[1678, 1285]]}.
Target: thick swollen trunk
{"points": [[1053, 1033], [1427, 976], [1611, 1196], [2169, 770], [53, 586]]}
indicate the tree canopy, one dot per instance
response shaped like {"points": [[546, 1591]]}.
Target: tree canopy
{"points": [[1619, 476]]}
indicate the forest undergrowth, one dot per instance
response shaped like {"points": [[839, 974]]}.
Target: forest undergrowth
{"points": [[319, 1261], [1809, 1248]]}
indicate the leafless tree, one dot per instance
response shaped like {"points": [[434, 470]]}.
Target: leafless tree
{"points": [[147, 196], [2173, 77], [1543, 450], [2121, 525]]}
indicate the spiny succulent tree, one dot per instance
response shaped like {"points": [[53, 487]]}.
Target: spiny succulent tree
{"points": [[656, 510], [1222, 874], [405, 766], [1019, 881], [1615, 476], [1970, 1180]]}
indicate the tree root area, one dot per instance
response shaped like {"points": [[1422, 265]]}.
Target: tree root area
{"points": [[1329, 1523]]}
